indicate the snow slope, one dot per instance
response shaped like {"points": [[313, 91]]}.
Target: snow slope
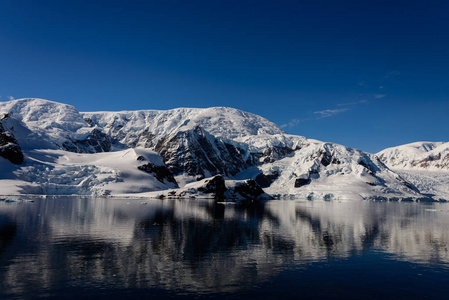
{"points": [[58, 172]]}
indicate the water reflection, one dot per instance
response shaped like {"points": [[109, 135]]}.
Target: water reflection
{"points": [[201, 247]]}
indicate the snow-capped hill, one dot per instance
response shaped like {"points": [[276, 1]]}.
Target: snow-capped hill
{"points": [[43, 124], [417, 156], [40, 114], [330, 171], [424, 164], [145, 127]]}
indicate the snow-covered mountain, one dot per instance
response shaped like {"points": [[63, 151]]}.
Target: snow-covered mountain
{"points": [[51, 148], [149, 125], [424, 164], [418, 156], [42, 124], [329, 171], [198, 142]]}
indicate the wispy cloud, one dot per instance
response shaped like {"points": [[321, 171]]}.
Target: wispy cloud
{"points": [[372, 92], [321, 114], [291, 123], [11, 98], [329, 112], [364, 101]]}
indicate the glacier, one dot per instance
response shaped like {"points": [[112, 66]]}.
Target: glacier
{"points": [[50, 148]]}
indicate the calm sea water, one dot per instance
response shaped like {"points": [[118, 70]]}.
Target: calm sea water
{"points": [[76, 248]]}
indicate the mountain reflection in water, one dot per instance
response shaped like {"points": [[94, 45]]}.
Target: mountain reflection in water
{"points": [[54, 246]]}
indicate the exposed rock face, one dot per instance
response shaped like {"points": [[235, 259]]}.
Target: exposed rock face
{"points": [[272, 154], [265, 180], [299, 182], [195, 152], [96, 141], [325, 155], [248, 189], [9, 147], [220, 189], [368, 163], [216, 186], [160, 172]]}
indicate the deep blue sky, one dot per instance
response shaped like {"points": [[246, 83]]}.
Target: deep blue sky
{"points": [[366, 74]]}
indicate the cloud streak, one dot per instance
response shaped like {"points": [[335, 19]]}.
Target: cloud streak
{"points": [[291, 123], [326, 113], [321, 114], [329, 112], [377, 92], [364, 101]]}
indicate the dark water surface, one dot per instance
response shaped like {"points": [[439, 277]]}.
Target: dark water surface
{"points": [[76, 248]]}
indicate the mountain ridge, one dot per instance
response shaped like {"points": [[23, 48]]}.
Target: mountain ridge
{"points": [[193, 144]]}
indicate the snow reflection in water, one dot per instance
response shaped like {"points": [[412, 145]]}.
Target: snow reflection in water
{"points": [[53, 246]]}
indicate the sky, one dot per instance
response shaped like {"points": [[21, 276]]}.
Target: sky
{"points": [[365, 74]]}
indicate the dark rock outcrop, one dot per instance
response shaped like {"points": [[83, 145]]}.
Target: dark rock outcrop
{"points": [[248, 189], [272, 154], [216, 185], [195, 152], [325, 156], [160, 172], [96, 141], [299, 182], [265, 180], [369, 165], [9, 147], [198, 153], [218, 188]]}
